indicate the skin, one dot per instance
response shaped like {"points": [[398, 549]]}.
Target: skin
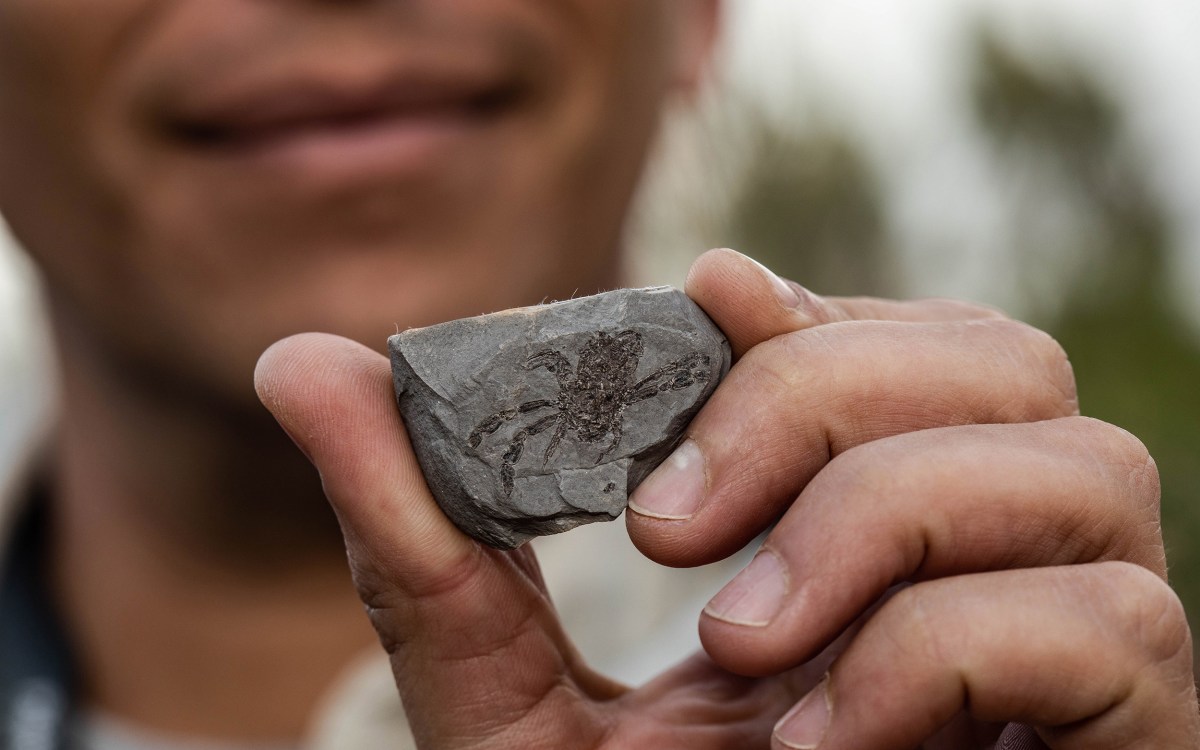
{"points": [[934, 445], [938, 455]]}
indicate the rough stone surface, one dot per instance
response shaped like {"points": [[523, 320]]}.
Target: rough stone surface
{"points": [[536, 420]]}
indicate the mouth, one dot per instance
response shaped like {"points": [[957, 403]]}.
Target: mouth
{"points": [[310, 124]]}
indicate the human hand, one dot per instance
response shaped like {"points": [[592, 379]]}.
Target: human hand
{"points": [[476, 647], [935, 444], [481, 660]]}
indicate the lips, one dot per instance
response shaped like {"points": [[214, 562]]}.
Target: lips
{"points": [[344, 125], [270, 113]]}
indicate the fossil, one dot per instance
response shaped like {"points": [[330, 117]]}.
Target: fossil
{"points": [[533, 421], [591, 398]]}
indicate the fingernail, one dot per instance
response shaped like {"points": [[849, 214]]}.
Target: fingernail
{"points": [[784, 292], [674, 490], [804, 726], [755, 595]]}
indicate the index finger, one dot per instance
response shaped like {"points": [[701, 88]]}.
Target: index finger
{"points": [[752, 304], [819, 383]]}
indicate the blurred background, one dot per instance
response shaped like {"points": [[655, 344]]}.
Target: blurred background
{"points": [[1042, 156]]}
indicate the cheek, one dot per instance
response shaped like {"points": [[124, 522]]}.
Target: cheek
{"points": [[57, 64], [590, 140], [57, 59], [624, 71]]}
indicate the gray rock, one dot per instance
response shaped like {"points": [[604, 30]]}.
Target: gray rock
{"points": [[536, 420]]}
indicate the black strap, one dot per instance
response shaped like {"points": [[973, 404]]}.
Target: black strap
{"points": [[37, 677]]}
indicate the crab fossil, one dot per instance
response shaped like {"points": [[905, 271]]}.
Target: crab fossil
{"points": [[592, 398]]}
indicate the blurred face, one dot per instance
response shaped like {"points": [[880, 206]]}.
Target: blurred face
{"points": [[198, 178]]}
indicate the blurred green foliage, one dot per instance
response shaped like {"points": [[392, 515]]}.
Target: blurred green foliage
{"points": [[1136, 362], [812, 209]]}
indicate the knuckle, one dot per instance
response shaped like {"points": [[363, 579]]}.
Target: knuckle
{"points": [[1132, 454], [1046, 354], [1140, 467], [779, 359], [387, 613], [861, 471], [909, 621], [883, 470], [383, 587], [373, 586], [399, 606], [1124, 454], [386, 608], [1146, 477], [802, 346], [1148, 612]]}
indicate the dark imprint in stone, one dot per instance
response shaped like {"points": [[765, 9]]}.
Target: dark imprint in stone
{"points": [[592, 399]]}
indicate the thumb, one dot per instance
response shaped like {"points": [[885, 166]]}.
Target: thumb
{"points": [[475, 646]]}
